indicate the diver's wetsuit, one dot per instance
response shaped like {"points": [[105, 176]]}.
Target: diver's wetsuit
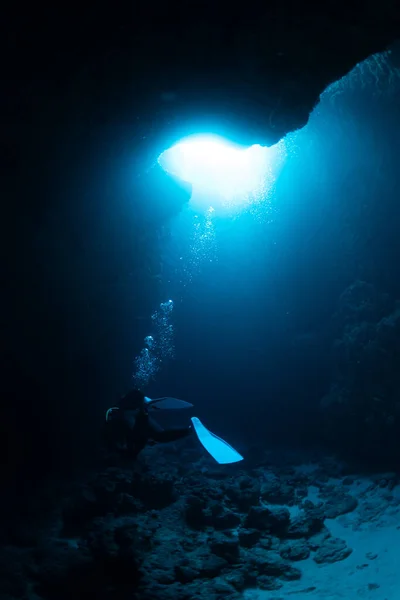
{"points": [[145, 429]]}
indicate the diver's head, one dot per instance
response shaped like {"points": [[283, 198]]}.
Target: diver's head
{"points": [[133, 400]]}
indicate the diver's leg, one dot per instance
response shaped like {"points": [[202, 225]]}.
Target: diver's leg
{"points": [[158, 434]]}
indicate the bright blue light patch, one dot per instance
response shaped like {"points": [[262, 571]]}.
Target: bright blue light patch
{"points": [[218, 169]]}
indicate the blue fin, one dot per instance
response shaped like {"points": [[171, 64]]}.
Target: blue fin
{"points": [[167, 403], [222, 452]]}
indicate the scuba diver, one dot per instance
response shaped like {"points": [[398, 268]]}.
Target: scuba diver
{"points": [[130, 427]]}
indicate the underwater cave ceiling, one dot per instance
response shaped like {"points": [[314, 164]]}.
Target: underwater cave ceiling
{"points": [[135, 80], [261, 79], [256, 70]]}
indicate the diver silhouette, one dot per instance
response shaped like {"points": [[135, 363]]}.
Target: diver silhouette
{"points": [[130, 426]]}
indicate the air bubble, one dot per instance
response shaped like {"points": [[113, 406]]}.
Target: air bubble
{"points": [[149, 341], [158, 347]]}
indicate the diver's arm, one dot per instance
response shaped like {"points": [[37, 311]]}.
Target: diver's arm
{"points": [[158, 434]]}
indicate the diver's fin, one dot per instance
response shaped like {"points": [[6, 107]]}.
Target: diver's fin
{"points": [[222, 452], [167, 403]]}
